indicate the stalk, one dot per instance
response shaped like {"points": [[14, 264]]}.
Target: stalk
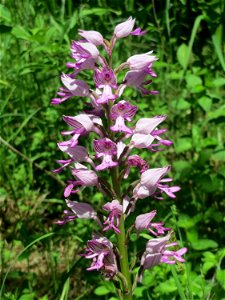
{"points": [[121, 240]]}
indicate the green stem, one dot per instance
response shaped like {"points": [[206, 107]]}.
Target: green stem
{"points": [[121, 240]]}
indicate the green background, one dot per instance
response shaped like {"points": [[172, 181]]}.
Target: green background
{"points": [[40, 260]]}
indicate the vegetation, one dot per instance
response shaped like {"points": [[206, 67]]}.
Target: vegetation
{"points": [[39, 259]]}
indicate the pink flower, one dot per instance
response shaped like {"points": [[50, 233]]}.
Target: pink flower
{"points": [[78, 210], [85, 55], [92, 36], [107, 149], [151, 180], [144, 222], [141, 61], [82, 125], [77, 154], [124, 29], [120, 112], [74, 87], [136, 78], [113, 220], [85, 177], [100, 250], [145, 133], [137, 162], [156, 253], [105, 79]]}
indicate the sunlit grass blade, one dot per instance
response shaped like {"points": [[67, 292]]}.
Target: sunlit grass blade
{"points": [[217, 41]]}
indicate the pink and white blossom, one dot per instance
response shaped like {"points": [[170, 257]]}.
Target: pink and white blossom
{"points": [[106, 149], [85, 55], [144, 221], [92, 36], [113, 220], [100, 250], [120, 112], [151, 181], [73, 87]]}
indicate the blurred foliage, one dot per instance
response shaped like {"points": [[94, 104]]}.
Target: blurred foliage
{"points": [[188, 37]]}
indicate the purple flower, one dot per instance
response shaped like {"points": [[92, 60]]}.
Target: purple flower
{"points": [[137, 162], [138, 31], [107, 149], [85, 55], [156, 253], [85, 177], [74, 87], [92, 36], [141, 61], [113, 220], [136, 78], [143, 222], [124, 29], [77, 154], [145, 132], [78, 210], [105, 79], [150, 181], [120, 112], [100, 250], [82, 125]]}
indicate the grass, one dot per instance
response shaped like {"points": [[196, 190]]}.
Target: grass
{"points": [[39, 260]]}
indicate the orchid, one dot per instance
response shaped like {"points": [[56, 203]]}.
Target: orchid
{"points": [[105, 142]]}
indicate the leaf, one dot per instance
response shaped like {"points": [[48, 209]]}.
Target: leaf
{"points": [[219, 155], [21, 33], [220, 276], [218, 82], [204, 244], [187, 222], [182, 55], [98, 11], [217, 42], [101, 291], [181, 104], [5, 15], [27, 296], [193, 80], [205, 103], [220, 112], [183, 144], [166, 287], [145, 236]]}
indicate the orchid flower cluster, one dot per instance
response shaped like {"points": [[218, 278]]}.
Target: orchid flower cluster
{"points": [[109, 118]]}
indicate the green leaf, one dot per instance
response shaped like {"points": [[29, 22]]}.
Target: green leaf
{"points": [[193, 80], [101, 291], [220, 276], [205, 103], [218, 82], [182, 55], [21, 33], [204, 244], [220, 112], [219, 155], [180, 104], [183, 144], [5, 15], [146, 236], [187, 222], [27, 297], [217, 42], [166, 287]]}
